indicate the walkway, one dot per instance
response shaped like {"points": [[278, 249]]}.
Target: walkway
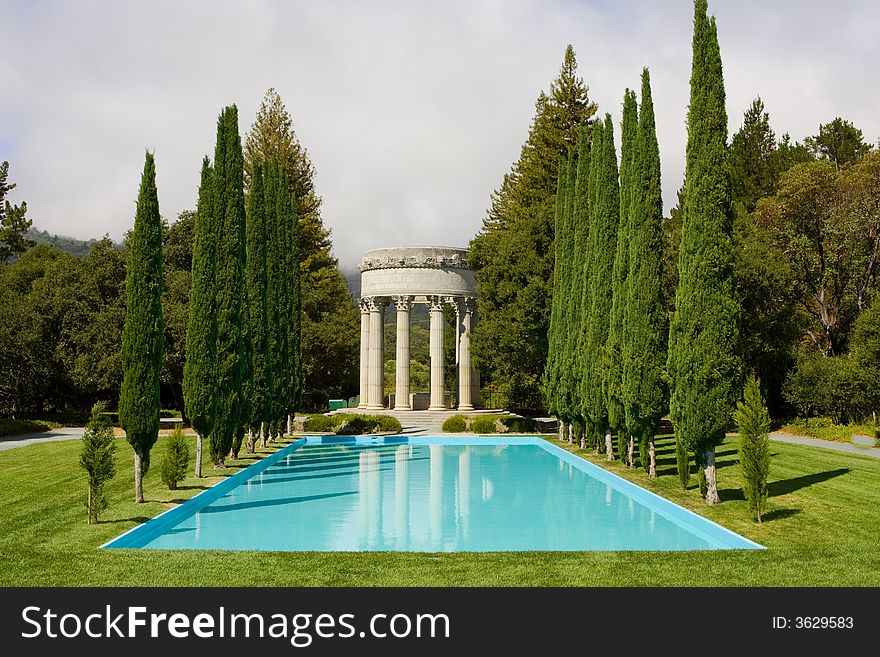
{"points": [[872, 452], [53, 435]]}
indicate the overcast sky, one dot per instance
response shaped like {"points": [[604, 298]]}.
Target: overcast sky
{"points": [[411, 111]]}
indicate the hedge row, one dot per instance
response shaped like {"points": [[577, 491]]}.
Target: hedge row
{"points": [[349, 424], [490, 424]]}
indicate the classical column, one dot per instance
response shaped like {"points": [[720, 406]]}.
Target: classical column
{"points": [[438, 401], [464, 363], [401, 384], [376, 382], [365, 353]]}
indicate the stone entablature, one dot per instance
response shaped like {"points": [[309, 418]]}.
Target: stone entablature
{"points": [[415, 257]]}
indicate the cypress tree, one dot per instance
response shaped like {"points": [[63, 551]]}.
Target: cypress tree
{"points": [[142, 334], [604, 223], [753, 421], [228, 203], [567, 393], [573, 296], [597, 159], [550, 378], [257, 246], [613, 358], [275, 299], [291, 326], [201, 333], [644, 341], [704, 366]]}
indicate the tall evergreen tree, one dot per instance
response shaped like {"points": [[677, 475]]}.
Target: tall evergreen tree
{"points": [[261, 371], [513, 255], [142, 334], [572, 295], [616, 329], [14, 224], [201, 333], [568, 395], [228, 201], [330, 322], [704, 365], [604, 222], [753, 165], [555, 340], [644, 342]]}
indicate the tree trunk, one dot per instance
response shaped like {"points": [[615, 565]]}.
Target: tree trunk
{"points": [[652, 458], [609, 449], [561, 428], [138, 479], [289, 424], [198, 455], [90, 504], [250, 441], [711, 482], [263, 429], [571, 433], [630, 447]]}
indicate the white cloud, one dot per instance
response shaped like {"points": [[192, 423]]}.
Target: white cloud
{"points": [[411, 111]]}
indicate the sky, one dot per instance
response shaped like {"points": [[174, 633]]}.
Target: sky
{"points": [[411, 111]]}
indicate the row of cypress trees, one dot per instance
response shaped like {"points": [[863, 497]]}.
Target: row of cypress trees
{"points": [[608, 371], [242, 373]]}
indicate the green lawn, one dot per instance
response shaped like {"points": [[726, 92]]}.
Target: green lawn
{"points": [[822, 529]]}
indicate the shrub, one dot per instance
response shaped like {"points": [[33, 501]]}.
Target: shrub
{"points": [[16, 427], [753, 421], [356, 425], [386, 423], [455, 424], [176, 461], [96, 458], [827, 385], [518, 424], [320, 423], [483, 424]]}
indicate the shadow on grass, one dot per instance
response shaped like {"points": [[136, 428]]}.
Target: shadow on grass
{"points": [[192, 488], [780, 514], [786, 486], [137, 519]]}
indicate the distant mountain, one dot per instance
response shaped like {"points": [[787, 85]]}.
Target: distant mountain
{"points": [[71, 245]]}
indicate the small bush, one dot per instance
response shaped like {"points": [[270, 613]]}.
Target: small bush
{"points": [[356, 425], [319, 423], [484, 424], [16, 427], [386, 423], [176, 461], [96, 458], [165, 412], [455, 424]]}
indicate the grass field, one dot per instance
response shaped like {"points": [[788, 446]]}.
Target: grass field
{"points": [[822, 529]]}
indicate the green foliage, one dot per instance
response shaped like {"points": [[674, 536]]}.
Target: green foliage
{"points": [[228, 206], [753, 421], [13, 223], [97, 459], [260, 383], [519, 424], [142, 335], [682, 464], [601, 250], [356, 425], [827, 224], [704, 364], [865, 354], [351, 424], [555, 339], [454, 424], [175, 463], [838, 142], [201, 334], [754, 169], [513, 255], [827, 385], [643, 342], [18, 427], [320, 423], [618, 328], [329, 329], [483, 424]]}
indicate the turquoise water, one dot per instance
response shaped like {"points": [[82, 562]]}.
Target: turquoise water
{"points": [[412, 496]]}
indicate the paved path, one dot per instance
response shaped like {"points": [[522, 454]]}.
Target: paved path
{"points": [[64, 433], [873, 452]]}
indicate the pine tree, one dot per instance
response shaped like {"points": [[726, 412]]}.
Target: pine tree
{"points": [[644, 342], [604, 223], [753, 421], [96, 458], [513, 255], [753, 162], [142, 336], [228, 201], [14, 224], [201, 333], [704, 365], [617, 329], [261, 371]]}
